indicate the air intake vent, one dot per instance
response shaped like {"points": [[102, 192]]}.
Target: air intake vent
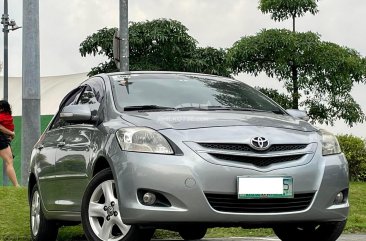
{"points": [[231, 203], [257, 161]]}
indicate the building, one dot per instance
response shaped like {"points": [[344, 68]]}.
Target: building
{"points": [[53, 89]]}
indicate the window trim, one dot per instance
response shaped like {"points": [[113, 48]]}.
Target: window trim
{"points": [[79, 89]]}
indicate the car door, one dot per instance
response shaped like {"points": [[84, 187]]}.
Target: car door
{"points": [[45, 169], [71, 166], [73, 158], [47, 149]]}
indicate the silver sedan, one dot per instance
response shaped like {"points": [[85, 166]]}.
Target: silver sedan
{"points": [[128, 153]]}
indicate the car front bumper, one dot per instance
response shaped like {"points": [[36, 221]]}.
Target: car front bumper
{"points": [[184, 180]]}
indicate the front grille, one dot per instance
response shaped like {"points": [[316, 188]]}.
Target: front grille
{"points": [[257, 161], [231, 203], [247, 148]]}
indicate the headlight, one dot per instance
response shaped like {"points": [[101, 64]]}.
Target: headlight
{"points": [[140, 139], [330, 143]]}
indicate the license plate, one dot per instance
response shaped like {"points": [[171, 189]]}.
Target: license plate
{"points": [[268, 187]]}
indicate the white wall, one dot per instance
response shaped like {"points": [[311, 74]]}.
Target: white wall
{"points": [[53, 89]]}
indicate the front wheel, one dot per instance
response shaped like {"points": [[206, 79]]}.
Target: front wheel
{"points": [[193, 233], [40, 227], [315, 232], [101, 216]]}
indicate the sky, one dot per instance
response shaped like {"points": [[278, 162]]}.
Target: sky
{"points": [[217, 23]]}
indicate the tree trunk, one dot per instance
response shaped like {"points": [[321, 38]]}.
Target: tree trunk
{"points": [[295, 92], [295, 82]]}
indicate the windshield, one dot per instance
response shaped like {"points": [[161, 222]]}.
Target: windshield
{"points": [[159, 91]]}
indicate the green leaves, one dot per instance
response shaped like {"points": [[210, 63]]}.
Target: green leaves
{"points": [[99, 43], [318, 74], [284, 9], [273, 52], [282, 99], [209, 61], [159, 45], [354, 149], [326, 71]]}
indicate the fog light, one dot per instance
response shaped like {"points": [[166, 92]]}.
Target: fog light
{"points": [[149, 198], [339, 198]]}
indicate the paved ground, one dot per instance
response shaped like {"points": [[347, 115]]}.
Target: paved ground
{"points": [[343, 238]]}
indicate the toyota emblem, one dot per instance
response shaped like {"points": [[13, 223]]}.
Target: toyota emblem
{"points": [[259, 143]]}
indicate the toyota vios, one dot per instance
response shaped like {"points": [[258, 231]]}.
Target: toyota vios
{"points": [[127, 153]]}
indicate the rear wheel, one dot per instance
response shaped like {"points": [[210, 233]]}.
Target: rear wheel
{"points": [[101, 216], [193, 233], [314, 232], [41, 228]]}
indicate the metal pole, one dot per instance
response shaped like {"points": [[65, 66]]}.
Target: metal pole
{"points": [[5, 20], [124, 43], [6, 41], [31, 128]]}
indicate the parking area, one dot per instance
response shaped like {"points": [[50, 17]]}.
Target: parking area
{"points": [[347, 237]]}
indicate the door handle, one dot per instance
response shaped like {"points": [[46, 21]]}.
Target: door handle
{"points": [[61, 144]]}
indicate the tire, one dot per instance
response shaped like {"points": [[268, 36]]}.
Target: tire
{"points": [[41, 229], [193, 233], [323, 232], [100, 213]]}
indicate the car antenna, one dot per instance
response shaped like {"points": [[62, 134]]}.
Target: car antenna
{"points": [[127, 84], [124, 82]]}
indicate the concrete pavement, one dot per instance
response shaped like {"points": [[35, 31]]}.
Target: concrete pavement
{"points": [[346, 237]]}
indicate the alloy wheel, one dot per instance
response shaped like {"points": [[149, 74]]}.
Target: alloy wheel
{"points": [[104, 215], [35, 213]]}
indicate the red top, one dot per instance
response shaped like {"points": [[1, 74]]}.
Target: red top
{"points": [[6, 120]]}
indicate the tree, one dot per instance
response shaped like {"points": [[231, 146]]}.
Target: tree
{"points": [[282, 99], [209, 61], [319, 73], [157, 45], [354, 149], [100, 43], [284, 9], [325, 71], [160, 45]]}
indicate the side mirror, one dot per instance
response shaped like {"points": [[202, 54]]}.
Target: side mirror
{"points": [[299, 114], [76, 113]]}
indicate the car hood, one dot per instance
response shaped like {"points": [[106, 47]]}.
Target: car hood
{"points": [[183, 120]]}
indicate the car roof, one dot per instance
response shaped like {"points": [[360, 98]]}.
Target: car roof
{"points": [[167, 72]]}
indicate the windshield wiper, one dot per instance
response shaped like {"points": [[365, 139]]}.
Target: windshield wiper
{"points": [[234, 108], [197, 108], [244, 109], [148, 108], [218, 107], [186, 108], [213, 108]]}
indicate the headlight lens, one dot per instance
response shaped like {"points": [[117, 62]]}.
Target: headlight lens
{"points": [[140, 139], [330, 143]]}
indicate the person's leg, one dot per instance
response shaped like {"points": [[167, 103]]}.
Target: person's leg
{"points": [[7, 156]]}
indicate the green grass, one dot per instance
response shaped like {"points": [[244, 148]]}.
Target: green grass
{"points": [[16, 143], [357, 217], [14, 218]]}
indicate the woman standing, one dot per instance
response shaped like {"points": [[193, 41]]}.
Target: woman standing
{"points": [[6, 136]]}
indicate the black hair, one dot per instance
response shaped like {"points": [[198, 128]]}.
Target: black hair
{"points": [[5, 107]]}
